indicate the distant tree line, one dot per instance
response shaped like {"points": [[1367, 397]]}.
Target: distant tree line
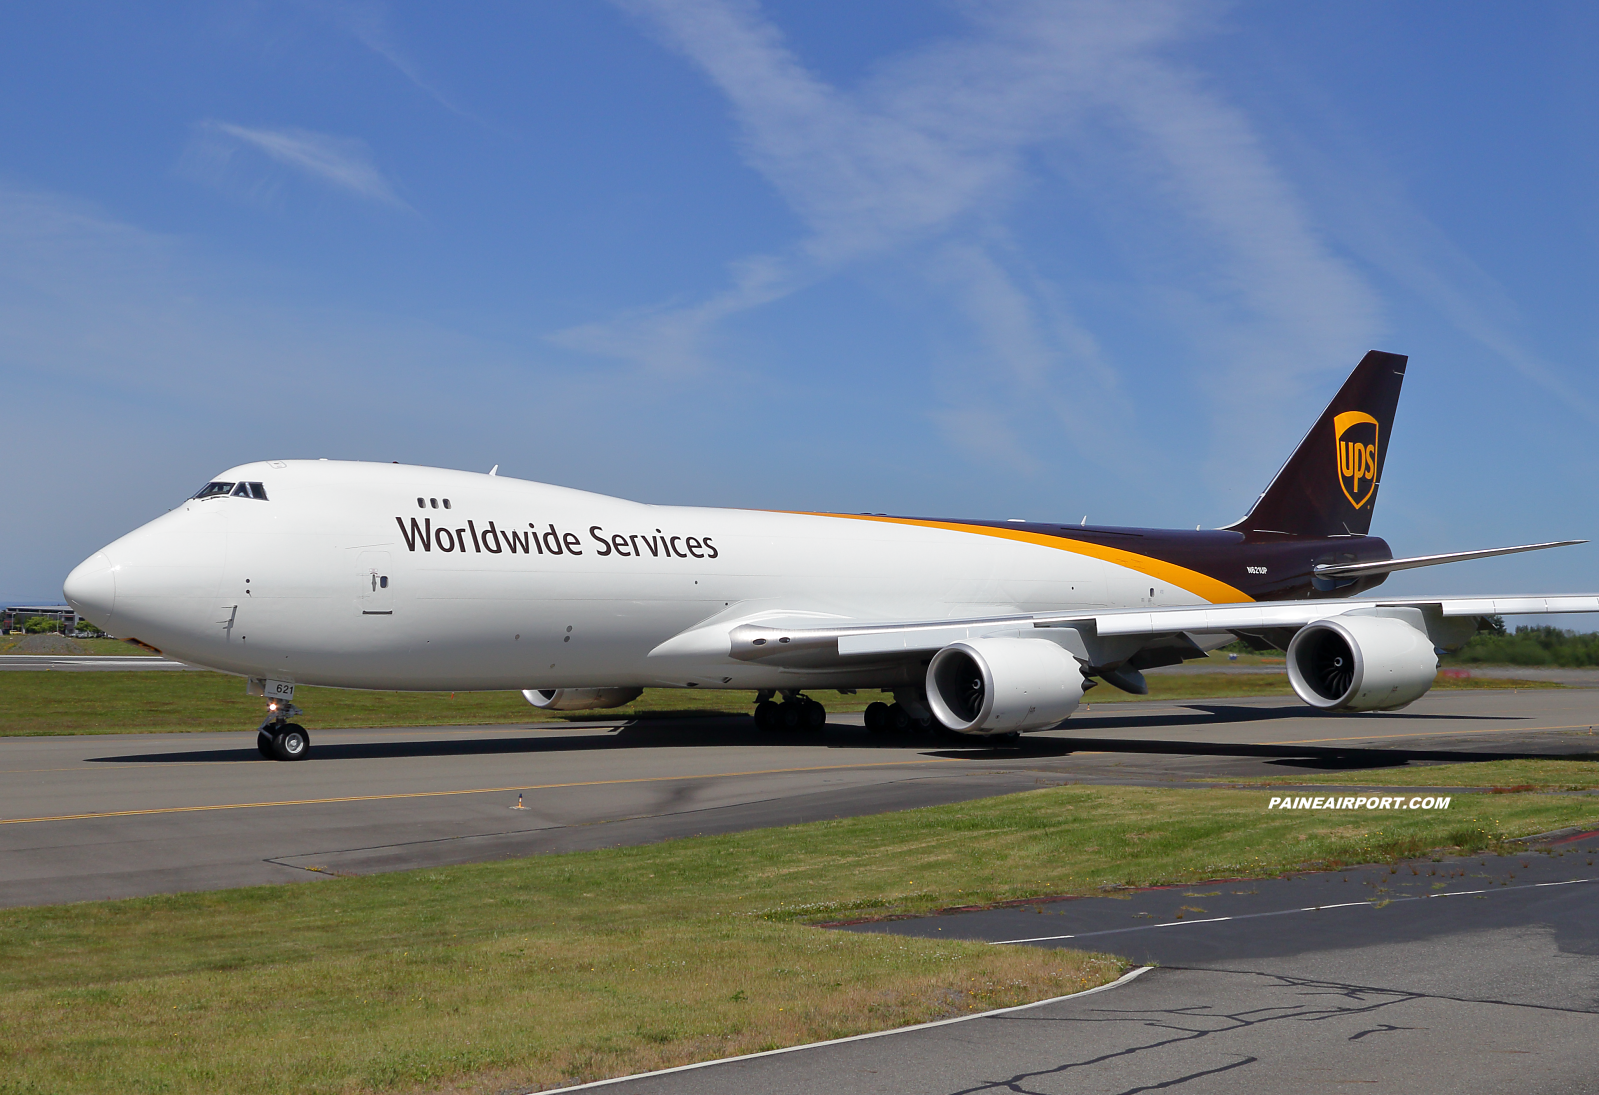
{"points": [[1496, 645], [1541, 645]]}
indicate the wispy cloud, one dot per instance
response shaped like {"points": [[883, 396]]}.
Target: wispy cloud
{"points": [[933, 149], [1384, 226], [344, 163], [368, 22]]}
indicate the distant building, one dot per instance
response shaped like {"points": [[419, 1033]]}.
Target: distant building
{"points": [[16, 615]]}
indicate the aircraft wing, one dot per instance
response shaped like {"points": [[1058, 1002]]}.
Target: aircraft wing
{"points": [[1452, 618]]}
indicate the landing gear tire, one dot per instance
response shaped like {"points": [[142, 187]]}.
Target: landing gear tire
{"points": [[793, 714], [877, 717], [290, 742], [263, 745], [899, 719]]}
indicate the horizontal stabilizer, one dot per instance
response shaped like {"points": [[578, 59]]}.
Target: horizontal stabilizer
{"points": [[1386, 566]]}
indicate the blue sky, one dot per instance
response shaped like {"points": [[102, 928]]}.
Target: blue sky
{"points": [[987, 259]]}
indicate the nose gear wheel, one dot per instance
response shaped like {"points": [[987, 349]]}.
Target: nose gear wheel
{"points": [[279, 739]]}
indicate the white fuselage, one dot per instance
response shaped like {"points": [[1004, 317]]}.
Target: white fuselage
{"points": [[341, 578]]}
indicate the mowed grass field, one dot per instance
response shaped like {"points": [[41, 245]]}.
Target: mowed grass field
{"points": [[556, 969], [47, 702]]}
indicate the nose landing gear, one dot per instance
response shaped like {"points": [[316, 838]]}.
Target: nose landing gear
{"points": [[279, 739]]}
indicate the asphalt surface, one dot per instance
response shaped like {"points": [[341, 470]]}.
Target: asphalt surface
{"points": [[89, 663], [1356, 978], [1467, 975], [89, 817]]}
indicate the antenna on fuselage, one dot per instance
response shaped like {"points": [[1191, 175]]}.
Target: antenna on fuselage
{"points": [[494, 470]]}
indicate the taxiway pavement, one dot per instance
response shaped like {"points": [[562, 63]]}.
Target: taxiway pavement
{"points": [[89, 663], [1455, 977], [89, 817]]}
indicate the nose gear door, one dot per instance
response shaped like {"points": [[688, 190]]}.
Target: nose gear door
{"points": [[376, 593]]}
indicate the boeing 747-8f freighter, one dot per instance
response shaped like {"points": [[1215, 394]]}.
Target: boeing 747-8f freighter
{"points": [[387, 576]]}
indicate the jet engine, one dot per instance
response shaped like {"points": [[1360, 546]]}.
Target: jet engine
{"points": [[580, 699], [999, 686], [1361, 663]]}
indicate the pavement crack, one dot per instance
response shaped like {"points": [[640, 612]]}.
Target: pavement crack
{"points": [[1189, 1024], [1380, 1028], [1407, 994], [1180, 1080]]}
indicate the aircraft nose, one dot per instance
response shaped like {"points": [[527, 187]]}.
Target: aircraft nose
{"points": [[91, 589]]}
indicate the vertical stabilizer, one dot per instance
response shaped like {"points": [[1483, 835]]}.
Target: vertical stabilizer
{"points": [[1329, 485]]}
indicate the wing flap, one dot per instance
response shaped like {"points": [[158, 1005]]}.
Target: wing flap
{"points": [[1516, 606]]}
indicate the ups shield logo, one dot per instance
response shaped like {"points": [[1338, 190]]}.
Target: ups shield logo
{"points": [[1355, 434]]}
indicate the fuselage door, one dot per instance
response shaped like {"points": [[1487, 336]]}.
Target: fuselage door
{"points": [[376, 593]]}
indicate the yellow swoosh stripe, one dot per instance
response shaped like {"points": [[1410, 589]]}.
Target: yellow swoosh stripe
{"points": [[1200, 585]]}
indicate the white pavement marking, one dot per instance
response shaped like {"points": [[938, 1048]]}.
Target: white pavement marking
{"points": [[1374, 903], [1122, 980]]}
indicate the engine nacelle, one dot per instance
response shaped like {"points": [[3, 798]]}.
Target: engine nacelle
{"points": [[998, 686], [1361, 663], [580, 699]]}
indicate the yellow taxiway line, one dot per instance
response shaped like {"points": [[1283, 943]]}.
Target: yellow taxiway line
{"points": [[468, 791]]}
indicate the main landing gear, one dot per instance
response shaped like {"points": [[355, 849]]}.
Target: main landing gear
{"points": [[893, 718], [279, 739], [796, 712]]}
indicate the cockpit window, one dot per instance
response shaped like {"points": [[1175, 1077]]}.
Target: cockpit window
{"points": [[237, 490]]}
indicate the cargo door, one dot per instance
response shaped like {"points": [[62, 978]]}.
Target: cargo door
{"points": [[376, 591]]}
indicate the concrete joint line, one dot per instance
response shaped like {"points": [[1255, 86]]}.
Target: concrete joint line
{"points": [[1122, 980]]}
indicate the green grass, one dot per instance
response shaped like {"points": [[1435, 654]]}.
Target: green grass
{"points": [[164, 701], [573, 967], [1244, 658], [1197, 686], [46, 703], [1555, 774], [117, 647], [9, 645]]}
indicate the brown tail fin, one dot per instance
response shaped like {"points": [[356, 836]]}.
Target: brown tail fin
{"points": [[1329, 485]]}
